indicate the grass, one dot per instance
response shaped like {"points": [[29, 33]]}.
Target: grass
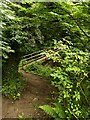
{"points": [[39, 69]]}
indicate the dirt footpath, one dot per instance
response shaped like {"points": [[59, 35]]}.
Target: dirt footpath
{"points": [[38, 92]]}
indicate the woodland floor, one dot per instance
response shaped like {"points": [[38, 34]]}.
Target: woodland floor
{"points": [[37, 92]]}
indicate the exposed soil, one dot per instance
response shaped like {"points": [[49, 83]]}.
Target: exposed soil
{"points": [[38, 92]]}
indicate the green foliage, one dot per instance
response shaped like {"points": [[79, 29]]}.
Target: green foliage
{"points": [[56, 112], [71, 77], [22, 116], [5, 12], [4, 49], [38, 68], [22, 62], [27, 27], [30, 24], [12, 88]]}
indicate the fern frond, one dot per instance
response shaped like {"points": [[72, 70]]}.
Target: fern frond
{"points": [[49, 110]]}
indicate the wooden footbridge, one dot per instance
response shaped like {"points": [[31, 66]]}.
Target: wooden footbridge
{"points": [[34, 57]]}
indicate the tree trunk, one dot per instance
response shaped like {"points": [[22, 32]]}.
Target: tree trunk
{"points": [[10, 67]]}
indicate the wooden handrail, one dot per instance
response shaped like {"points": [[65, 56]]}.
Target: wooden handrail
{"points": [[34, 56]]}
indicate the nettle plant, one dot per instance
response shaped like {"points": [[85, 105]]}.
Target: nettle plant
{"points": [[72, 80]]}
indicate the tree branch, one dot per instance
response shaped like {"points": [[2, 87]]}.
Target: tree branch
{"points": [[75, 22]]}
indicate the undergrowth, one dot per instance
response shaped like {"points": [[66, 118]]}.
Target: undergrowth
{"points": [[39, 69], [72, 80], [12, 88]]}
